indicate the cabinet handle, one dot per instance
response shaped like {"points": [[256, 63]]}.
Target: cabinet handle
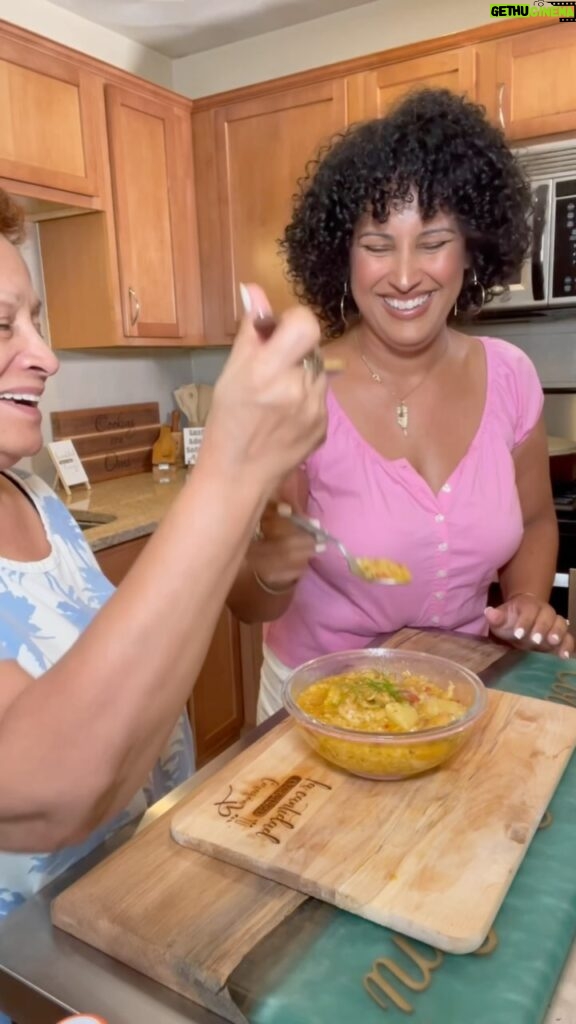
{"points": [[501, 118], [134, 307]]}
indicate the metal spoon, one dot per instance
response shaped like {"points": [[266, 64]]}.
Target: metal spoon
{"points": [[360, 567]]}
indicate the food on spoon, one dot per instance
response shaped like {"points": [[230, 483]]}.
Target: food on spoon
{"points": [[384, 569]]}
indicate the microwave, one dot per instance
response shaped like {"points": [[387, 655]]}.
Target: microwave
{"points": [[547, 279]]}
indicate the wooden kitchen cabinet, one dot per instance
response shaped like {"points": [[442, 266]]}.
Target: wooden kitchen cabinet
{"points": [[380, 88], [249, 156], [154, 213], [116, 560], [528, 82], [129, 274], [230, 669], [216, 705], [47, 135]]}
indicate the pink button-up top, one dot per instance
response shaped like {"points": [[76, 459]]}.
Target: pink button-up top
{"points": [[453, 541]]}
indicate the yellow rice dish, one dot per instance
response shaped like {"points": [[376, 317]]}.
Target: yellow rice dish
{"points": [[370, 701], [384, 569]]}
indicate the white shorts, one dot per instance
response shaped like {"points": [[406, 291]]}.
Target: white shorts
{"points": [[272, 676]]}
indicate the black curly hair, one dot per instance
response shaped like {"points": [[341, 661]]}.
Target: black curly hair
{"points": [[436, 143]]}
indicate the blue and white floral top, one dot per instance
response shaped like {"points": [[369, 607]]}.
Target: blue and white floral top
{"points": [[44, 606]]}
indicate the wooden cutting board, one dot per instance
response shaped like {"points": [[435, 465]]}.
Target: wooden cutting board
{"points": [[182, 919], [431, 857], [186, 920]]}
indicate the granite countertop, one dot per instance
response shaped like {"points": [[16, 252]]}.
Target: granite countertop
{"points": [[139, 502]]}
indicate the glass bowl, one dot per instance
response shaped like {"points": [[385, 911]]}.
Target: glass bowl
{"points": [[385, 755]]}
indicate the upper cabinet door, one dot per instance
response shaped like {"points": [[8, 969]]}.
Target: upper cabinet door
{"points": [[450, 69], [154, 213], [47, 135], [528, 82], [262, 147]]}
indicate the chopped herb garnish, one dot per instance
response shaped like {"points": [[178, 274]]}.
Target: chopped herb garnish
{"points": [[384, 686]]}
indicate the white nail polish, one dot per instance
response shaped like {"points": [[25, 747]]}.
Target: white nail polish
{"points": [[284, 509], [536, 638], [519, 633], [320, 548], [245, 297], [554, 638], [316, 523], [565, 654]]}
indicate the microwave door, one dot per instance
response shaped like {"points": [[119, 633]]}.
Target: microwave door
{"points": [[541, 247], [529, 288]]}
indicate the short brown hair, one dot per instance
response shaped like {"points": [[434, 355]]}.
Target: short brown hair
{"points": [[12, 219]]}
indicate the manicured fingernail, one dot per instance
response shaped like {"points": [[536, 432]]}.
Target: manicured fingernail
{"points": [[536, 638], [319, 548], [565, 654], [554, 638], [284, 509], [245, 297], [519, 633], [316, 523]]}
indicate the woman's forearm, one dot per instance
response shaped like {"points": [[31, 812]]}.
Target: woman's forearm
{"points": [[250, 601], [105, 709], [532, 569]]}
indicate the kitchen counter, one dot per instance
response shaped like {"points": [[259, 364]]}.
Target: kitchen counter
{"points": [[45, 974], [139, 502]]}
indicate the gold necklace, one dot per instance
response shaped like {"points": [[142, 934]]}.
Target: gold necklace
{"points": [[401, 407]]}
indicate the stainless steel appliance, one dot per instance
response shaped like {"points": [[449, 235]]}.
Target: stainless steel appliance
{"points": [[547, 279]]}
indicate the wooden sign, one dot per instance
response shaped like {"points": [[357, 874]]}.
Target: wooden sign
{"points": [[112, 441], [431, 857], [103, 419]]}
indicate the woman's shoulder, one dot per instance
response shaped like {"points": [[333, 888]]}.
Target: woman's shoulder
{"points": [[515, 391], [507, 356], [53, 511], [33, 484]]}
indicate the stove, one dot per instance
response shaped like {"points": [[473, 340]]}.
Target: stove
{"points": [[565, 503]]}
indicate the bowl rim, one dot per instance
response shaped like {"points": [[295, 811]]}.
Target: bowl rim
{"points": [[473, 714]]}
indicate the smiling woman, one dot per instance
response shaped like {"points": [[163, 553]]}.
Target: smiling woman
{"points": [[21, 386], [436, 451]]}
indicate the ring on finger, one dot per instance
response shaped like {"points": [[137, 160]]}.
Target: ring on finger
{"points": [[258, 535], [313, 364]]}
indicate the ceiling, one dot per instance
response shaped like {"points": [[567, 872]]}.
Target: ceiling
{"points": [[178, 28]]}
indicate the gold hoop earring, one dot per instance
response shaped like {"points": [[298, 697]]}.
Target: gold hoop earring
{"points": [[343, 304], [455, 310]]}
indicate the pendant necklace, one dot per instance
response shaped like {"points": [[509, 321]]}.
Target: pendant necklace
{"points": [[401, 407]]}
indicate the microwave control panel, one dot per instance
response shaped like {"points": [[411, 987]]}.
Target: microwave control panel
{"points": [[564, 247]]}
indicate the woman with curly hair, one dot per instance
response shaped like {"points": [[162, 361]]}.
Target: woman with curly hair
{"points": [[436, 452]]}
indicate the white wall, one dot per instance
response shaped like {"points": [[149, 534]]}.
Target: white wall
{"points": [[69, 29], [380, 25]]}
